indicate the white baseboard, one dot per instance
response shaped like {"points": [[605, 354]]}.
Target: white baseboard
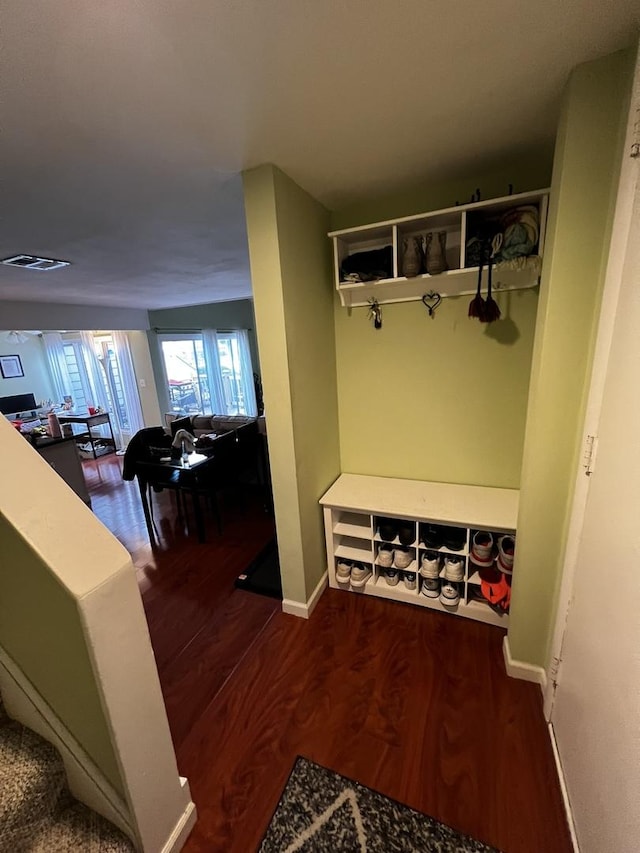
{"points": [[520, 669], [86, 781], [563, 788], [181, 831], [297, 608]]}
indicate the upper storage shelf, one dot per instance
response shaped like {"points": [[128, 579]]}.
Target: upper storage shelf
{"points": [[378, 252]]}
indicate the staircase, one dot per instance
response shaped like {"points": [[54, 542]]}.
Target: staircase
{"points": [[37, 812]]}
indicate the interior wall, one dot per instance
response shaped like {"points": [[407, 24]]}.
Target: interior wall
{"points": [[440, 399], [236, 314], [585, 174], [145, 377], [36, 377], [291, 278], [52, 315]]}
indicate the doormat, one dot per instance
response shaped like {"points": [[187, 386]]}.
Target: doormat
{"points": [[262, 575], [319, 810]]}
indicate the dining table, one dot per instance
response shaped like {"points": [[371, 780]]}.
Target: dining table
{"points": [[184, 475]]}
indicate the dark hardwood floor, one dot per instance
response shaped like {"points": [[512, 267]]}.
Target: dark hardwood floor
{"points": [[412, 703]]}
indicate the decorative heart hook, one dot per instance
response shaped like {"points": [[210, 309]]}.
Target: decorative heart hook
{"points": [[431, 300]]}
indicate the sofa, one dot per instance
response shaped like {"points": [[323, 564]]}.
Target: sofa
{"points": [[247, 460], [203, 424]]}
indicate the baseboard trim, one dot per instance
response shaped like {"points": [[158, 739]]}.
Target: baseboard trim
{"points": [[86, 781], [183, 827], [304, 611], [522, 670], [563, 789]]}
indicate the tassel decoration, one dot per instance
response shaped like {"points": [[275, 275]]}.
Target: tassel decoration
{"points": [[491, 307], [477, 304]]}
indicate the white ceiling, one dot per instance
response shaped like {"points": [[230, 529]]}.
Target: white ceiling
{"points": [[125, 124]]}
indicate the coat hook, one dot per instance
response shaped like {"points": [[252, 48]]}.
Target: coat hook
{"points": [[431, 300], [375, 313]]}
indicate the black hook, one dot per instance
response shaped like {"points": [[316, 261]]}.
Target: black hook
{"points": [[375, 313]]}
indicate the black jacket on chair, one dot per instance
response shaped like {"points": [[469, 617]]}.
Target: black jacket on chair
{"points": [[138, 449]]}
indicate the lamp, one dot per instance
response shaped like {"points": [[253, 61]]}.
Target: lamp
{"points": [[17, 337]]}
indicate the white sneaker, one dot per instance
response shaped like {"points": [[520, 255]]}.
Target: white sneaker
{"points": [[343, 571], [391, 576], [385, 555], [402, 558], [506, 553], [430, 565], [449, 594], [482, 548], [410, 580], [454, 568], [430, 587], [359, 574]]}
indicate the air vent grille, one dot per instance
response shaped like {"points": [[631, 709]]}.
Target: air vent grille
{"points": [[32, 262]]}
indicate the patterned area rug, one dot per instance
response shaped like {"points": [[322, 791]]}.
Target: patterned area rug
{"points": [[322, 811]]}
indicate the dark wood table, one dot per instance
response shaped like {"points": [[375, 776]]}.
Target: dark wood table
{"points": [[175, 474]]}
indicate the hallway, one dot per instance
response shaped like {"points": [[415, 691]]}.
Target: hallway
{"points": [[414, 704]]}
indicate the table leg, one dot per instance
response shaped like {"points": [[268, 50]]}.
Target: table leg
{"points": [[142, 485]]}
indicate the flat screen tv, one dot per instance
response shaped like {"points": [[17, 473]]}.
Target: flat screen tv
{"points": [[17, 403]]}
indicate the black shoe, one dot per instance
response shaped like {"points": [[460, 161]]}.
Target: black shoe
{"points": [[431, 536], [388, 529], [454, 538], [406, 533]]}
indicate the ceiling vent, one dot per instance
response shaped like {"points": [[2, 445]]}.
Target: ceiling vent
{"points": [[32, 262]]}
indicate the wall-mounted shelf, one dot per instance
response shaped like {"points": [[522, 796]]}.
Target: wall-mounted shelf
{"points": [[461, 278]]}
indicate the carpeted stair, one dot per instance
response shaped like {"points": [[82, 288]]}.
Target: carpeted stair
{"points": [[37, 812]]}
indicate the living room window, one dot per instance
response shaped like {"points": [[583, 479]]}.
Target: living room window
{"points": [[208, 372]]}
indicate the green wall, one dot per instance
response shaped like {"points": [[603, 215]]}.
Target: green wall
{"points": [[585, 173], [440, 399], [293, 298], [41, 630], [526, 170], [236, 314]]}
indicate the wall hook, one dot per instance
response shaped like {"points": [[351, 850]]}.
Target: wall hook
{"points": [[375, 313], [431, 300]]}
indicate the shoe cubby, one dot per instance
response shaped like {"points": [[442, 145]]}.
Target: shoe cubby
{"points": [[369, 516]]}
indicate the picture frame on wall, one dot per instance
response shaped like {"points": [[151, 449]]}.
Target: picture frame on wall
{"points": [[11, 366]]}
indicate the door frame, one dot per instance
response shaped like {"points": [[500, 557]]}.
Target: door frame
{"points": [[629, 181]]}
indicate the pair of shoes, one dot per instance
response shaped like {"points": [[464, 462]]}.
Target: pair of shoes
{"points": [[390, 556], [392, 577], [453, 566], [482, 548], [506, 553], [390, 528], [436, 536], [495, 586], [398, 557], [357, 574], [448, 591]]}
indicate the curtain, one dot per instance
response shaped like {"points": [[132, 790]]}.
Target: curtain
{"points": [[98, 385], [54, 349], [128, 380], [214, 371], [246, 373]]}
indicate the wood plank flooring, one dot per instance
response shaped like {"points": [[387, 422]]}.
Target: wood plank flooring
{"points": [[412, 703]]}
